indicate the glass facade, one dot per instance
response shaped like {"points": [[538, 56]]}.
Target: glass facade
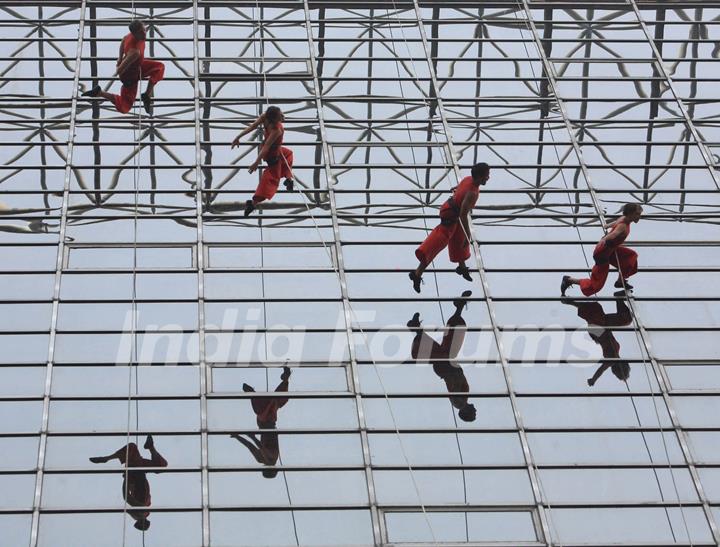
{"points": [[262, 368]]}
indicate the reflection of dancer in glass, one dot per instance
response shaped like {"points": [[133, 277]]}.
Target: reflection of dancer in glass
{"points": [[609, 251], [132, 66], [454, 227], [136, 490], [266, 450], [278, 158], [598, 328], [424, 348]]}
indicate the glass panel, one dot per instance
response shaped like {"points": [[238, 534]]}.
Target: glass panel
{"points": [[280, 351], [449, 526], [302, 488], [630, 525], [276, 528], [181, 529]]}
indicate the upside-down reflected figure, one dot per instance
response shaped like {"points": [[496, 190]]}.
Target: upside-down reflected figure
{"points": [[599, 329], [136, 488], [441, 355], [266, 450]]}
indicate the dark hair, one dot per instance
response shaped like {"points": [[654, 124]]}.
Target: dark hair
{"points": [[135, 25], [468, 413], [142, 524], [269, 473], [630, 208], [273, 114], [621, 370], [480, 170]]}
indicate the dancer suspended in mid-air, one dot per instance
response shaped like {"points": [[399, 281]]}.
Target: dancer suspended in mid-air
{"points": [[278, 158], [454, 228], [132, 67], [266, 450], [136, 490], [424, 348], [599, 324], [610, 251]]}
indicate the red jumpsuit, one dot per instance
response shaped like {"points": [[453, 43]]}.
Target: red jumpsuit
{"points": [[138, 488], [449, 233], [426, 349], [605, 254], [279, 165], [142, 69]]}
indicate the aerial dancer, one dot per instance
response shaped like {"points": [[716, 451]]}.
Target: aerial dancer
{"points": [[278, 158], [136, 490], [599, 324], [610, 251], [266, 450], [424, 348], [454, 228], [131, 68]]}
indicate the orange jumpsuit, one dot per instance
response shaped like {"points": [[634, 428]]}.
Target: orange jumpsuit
{"points": [[606, 254], [279, 165], [449, 233], [142, 69]]}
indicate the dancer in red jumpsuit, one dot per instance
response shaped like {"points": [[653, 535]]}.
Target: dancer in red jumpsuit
{"points": [[454, 228], [131, 68], [424, 348], [609, 251], [599, 324], [278, 158], [136, 490], [266, 450]]}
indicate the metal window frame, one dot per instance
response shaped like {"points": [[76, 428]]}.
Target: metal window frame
{"points": [[449, 120]]}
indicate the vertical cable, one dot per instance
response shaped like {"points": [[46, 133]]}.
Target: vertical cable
{"points": [[264, 92], [133, 364], [642, 342]]}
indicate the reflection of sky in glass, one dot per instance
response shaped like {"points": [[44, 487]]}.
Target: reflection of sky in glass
{"points": [[385, 108]]}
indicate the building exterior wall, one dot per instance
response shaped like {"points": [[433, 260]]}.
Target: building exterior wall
{"points": [[136, 298]]}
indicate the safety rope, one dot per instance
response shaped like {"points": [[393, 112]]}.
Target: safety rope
{"points": [[412, 151], [649, 453], [468, 237], [632, 310], [355, 319], [422, 205], [259, 19], [133, 364]]}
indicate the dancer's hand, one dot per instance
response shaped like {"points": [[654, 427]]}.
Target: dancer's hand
{"points": [[253, 167], [235, 143]]}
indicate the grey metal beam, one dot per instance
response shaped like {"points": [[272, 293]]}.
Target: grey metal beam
{"points": [[660, 65], [453, 158], [658, 371], [205, 370], [340, 268], [42, 441]]}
